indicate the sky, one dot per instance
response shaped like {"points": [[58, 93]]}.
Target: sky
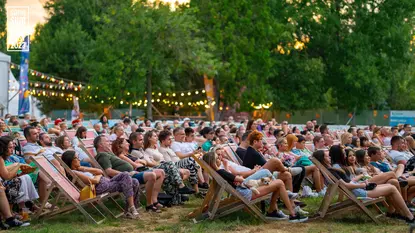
{"points": [[36, 15]]}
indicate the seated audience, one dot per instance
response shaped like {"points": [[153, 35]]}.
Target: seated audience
{"points": [[14, 178], [114, 165], [119, 183], [397, 206]]}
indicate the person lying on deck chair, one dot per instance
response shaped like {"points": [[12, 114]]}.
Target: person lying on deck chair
{"points": [[119, 183], [276, 187], [153, 179]]}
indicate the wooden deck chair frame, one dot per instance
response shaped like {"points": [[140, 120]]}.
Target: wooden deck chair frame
{"points": [[232, 155], [59, 181], [214, 206], [352, 202], [97, 165], [94, 162], [87, 141], [110, 196]]}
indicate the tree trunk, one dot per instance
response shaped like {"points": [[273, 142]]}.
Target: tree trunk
{"points": [[149, 96]]}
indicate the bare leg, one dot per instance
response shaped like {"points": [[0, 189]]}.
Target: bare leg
{"points": [[200, 176], [157, 185], [274, 164], [313, 170], [411, 193], [278, 190], [150, 179], [388, 190], [206, 177], [4, 204], [130, 201], [399, 170], [382, 178], [287, 179], [44, 182], [184, 173]]}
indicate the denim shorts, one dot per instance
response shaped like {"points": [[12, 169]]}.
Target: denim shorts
{"points": [[140, 177], [245, 192], [359, 192]]}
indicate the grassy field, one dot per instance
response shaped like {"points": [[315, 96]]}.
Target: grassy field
{"points": [[174, 220]]}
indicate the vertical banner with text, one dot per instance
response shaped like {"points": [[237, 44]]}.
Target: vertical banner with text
{"points": [[18, 29], [24, 104]]}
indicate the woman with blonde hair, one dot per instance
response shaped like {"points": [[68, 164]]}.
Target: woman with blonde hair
{"points": [[346, 140], [410, 144]]}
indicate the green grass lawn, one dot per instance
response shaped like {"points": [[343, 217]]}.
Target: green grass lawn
{"points": [[174, 220]]}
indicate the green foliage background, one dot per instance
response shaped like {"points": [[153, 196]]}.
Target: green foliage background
{"points": [[356, 54]]}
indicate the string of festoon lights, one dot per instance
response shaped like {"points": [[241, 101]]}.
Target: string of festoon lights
{"points": [[53, 86], [62, 83]]}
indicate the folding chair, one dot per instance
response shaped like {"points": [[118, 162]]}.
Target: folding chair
{"points": [[70, 133], [80, 183], [87, 141], [327, 208], [231, 154], [66, 189], [91, 134], [214, 206], [90, 151]]}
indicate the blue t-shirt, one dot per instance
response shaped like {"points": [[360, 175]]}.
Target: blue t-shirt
{"points": [[207, 145], [381, 166]]}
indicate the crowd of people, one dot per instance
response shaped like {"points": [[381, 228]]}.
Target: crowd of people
{"points": [[159, 156]]}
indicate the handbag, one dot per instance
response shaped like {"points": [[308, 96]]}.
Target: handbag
{"points": [[88, 192]]}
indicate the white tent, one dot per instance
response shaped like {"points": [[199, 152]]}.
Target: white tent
{"points": [[4, 82], [9, 88]]}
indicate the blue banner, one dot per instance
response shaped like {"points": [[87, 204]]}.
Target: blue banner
{"points": [[402, 117], [24, 104]]}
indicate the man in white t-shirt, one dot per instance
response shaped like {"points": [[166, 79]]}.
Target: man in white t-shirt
{"points": [[46, 143], [398, 156], [33, 149], [186, 161]]}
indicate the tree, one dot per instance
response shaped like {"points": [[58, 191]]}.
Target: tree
{"points": [[250, 37], [61, 45], [140, 47], [364, 44]]}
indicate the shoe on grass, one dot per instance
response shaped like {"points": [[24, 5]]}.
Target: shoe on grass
{"points": [[276, 215], [298, 209], [186, 190], [13, 222], [297, 218], [292, 195]]}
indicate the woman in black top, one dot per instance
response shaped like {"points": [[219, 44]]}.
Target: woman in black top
{"points": [[276, 187]]}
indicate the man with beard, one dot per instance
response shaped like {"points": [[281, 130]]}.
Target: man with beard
{"points": [[46, 142]]}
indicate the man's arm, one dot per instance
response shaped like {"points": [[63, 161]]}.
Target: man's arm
{"points": [[111, 172]]}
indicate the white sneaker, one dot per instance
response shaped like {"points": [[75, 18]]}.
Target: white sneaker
{"points": [[297, 209], [291, 195], [282, 214]]}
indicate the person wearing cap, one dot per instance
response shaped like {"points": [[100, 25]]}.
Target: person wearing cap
{"points": [[55, 129], [76, 124]]}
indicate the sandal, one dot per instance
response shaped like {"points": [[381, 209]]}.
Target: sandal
{"points": [[159, 206], [152, 208]]}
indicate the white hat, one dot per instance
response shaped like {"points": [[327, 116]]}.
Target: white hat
{"points": [[186, 119]]}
